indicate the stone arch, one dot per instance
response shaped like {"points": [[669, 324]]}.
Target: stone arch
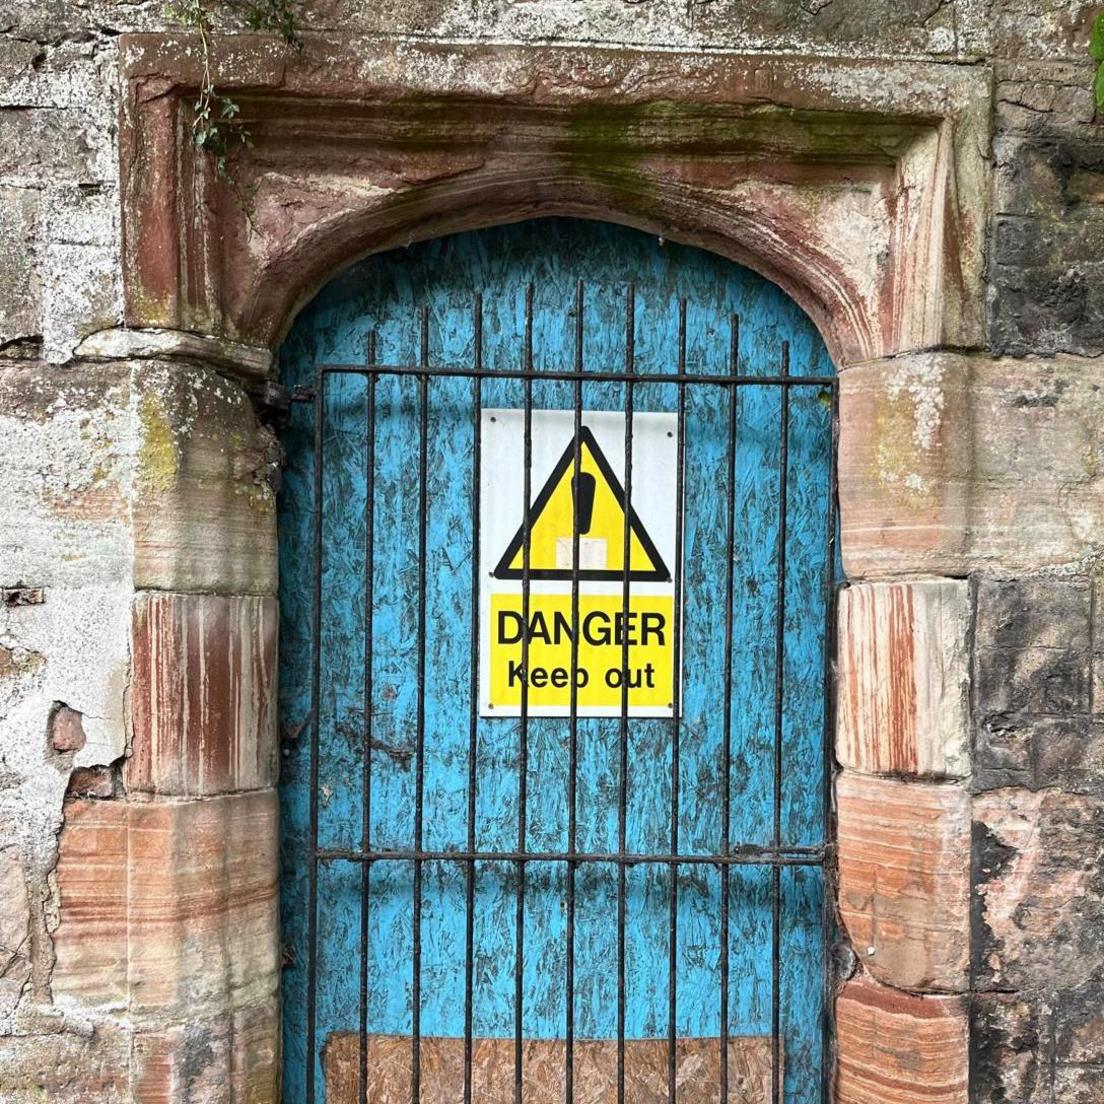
{"points": [[809, 275], [864, 207]]}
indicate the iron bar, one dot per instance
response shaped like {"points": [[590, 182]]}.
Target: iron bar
{"points": [[568, 376], [623, 728], [676, 720], [828, 769], [366, 766], [779, 718], [419, 783], [726, 758], [315, 737], [523, 728], [573, 710], [739, 856], [473, 728]]}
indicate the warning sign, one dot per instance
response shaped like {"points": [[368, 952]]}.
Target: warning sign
{"points": [[620, 650]]}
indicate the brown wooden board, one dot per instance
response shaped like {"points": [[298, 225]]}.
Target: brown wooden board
{"points": [[698, 1077]]}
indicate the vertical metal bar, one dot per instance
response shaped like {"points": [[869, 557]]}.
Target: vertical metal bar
{"points": [[779, 691], [676, 719], [315, 741], [622, 783], [419, 784], [573, 709], [523, 731], [473, 727], [366, 774], [828, 660], [726, 763]]}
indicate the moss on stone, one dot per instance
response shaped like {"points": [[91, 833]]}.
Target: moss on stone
{"points": [[157, 459]]}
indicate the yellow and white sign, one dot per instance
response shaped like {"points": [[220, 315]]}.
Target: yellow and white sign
{"points": [[542, 648]]}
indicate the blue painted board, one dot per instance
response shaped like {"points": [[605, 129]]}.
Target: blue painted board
{"points": [[383, 293]]}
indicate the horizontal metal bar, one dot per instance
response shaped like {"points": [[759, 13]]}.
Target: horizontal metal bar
{"points": [[569, 375], [738, 856]]}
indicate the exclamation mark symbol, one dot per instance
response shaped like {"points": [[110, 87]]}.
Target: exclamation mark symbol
{"points": [[583, 486]]}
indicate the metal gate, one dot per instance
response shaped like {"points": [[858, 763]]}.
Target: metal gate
{"points": [[539, 909]]}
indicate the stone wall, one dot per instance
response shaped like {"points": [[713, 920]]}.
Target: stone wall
{"points": [[136, 521]]}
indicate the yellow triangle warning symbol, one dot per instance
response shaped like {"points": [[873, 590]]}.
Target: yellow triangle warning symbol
{"points": [[598, 500]]}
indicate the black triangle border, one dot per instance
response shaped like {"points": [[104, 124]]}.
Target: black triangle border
{"points": [[659, 574]]}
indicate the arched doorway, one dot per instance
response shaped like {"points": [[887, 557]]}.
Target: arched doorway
{"points": [[452, 877]]}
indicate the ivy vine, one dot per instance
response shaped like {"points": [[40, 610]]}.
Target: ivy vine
{"points": [[217, 127]]}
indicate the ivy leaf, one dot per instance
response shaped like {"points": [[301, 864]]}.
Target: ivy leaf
{"points": [[1098, 86], [1096, 38]]}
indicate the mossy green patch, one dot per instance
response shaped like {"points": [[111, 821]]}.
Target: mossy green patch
{"points": [[157, 458]]}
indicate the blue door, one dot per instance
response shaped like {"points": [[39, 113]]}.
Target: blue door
{"points": [[552, 908]]}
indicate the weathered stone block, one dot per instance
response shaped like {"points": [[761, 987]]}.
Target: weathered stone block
{"points": [[1079, 1084], [227, 1059], [1043, 98], [1068, 752], [1039, 890], [1036, 483], [203, 709], [39, 143], [158, 474], [897, 1048], [204, 515], [844, 26], [1047, 240], [67, 1067], [1079, 1023], [82, 293], [1036, 676], [950, 464], [1032, 679], [904, 678], [15, 936], [904, 466], [1050, 29], [1008, 1052], [904, 879], [21, 288], [91, 941], [168, 908]]}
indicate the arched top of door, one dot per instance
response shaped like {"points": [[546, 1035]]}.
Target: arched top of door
{"points": [[863, 197]]}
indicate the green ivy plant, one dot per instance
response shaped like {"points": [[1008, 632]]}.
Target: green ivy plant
{"points": [[217, 127], [1096, 48]]}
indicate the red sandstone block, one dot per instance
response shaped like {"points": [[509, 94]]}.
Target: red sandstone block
{"points": [[203, 694], [904, 678], [230, 1058], [168, 908], [91, 940], [202, 510], [904, 466], [897, 1048], [904, 879]]}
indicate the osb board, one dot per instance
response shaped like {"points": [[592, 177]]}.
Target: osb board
{"points": [[442, 1066]]}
